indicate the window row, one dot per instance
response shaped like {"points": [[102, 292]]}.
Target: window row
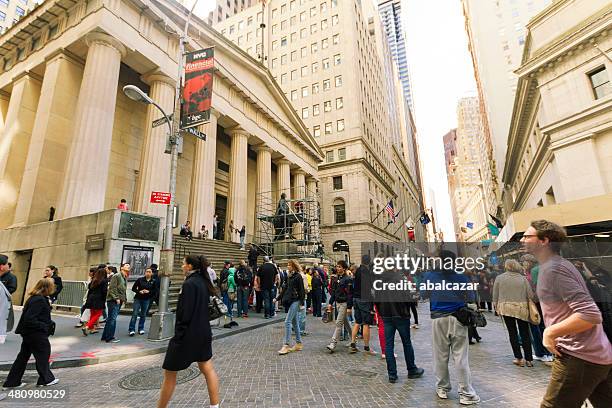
{"points": [[323, 7], [329, 128], [326, 63], [313, 28], [314, 47]]}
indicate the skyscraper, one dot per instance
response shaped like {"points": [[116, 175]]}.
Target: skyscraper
{"points": [[496, 36], [390, 15], [227, 8], [12, 10], [329, 58]]}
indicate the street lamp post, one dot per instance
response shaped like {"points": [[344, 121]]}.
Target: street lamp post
{"points": [[162, 322]]}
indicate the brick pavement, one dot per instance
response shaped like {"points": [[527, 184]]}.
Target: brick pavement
{"points": [[253, 375]]}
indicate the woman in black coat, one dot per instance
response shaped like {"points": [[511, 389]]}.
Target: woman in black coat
{"points": [[96, 300], [35, 326], [192, 341]]}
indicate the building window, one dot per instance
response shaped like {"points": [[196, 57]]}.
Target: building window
{"points": [[600, 82], [274, 12], [342, 154], [314, 47], [326, 85], [323, 7], [336, 39], [329, 156], [313, 11], [313, 28], [249, 36], [232, 29], [274, 62], [240, 40], [315, 67], [2, 16], [240, 25], [324, 43], [260, 16], [19, 11], [283, 78], [337, 182], [294, 95], [4, 3], [335, 20], [250, 21], [294, 75], [274, 45], [327, 106], [283, 9], [304, 92], [304, 70], [303, 52], [328, 129], [283, 59], [339, 213], [303, 16], [284, 25], [284, 42], [340, 125], [334, 3], [337, 60], [304, 113], [315, 110], [303, 33], [338, 81], [292, 5], [323, 24], [293, 55], [339, 103], [326, 64], [316, 131], [315, 88]]}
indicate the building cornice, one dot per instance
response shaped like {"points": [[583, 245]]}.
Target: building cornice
{"points": [[541, 159]]}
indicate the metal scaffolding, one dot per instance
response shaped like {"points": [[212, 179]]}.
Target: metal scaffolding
{"points": [[288, 228]]}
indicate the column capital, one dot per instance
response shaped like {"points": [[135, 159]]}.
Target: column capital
{"points": [[215, 112], [27, 74], [262, 148], [64, 53], [299, 172], [236, 131], [96, 37], [283, 161], [157, 76]]}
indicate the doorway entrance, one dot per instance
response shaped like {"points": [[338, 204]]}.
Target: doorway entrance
{"points": [[21, 269], [221, 211]]}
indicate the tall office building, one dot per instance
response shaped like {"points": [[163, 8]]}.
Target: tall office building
{"points": [[390, 14], [496, 37], [226, 8], [12, 10], [331, 59]]}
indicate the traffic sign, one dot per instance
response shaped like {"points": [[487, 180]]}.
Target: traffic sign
{"points": [[160, 121], [159, 197], [195, 132]]}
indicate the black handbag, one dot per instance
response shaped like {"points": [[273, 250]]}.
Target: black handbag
{"points": [[216, 308], [469, 317], [51, 329]]}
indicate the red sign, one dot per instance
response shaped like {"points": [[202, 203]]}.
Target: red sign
{"points": [[158, 197], [197, 90]]}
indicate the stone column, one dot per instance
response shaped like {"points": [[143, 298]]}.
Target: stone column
{"points": [[154, 163], [283, 175], [299, 191], [237, 195], [202, 197], [5, 97], [15, 142], [264, 204], [51, 139], [84, 188]]}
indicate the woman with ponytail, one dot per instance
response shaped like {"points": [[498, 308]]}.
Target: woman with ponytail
{"points": [[192, 341]]}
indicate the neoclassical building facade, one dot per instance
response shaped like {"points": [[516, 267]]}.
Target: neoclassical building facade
{"points": [[70, 139]]}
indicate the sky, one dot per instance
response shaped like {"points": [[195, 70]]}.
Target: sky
{"points": [[442, 73]]}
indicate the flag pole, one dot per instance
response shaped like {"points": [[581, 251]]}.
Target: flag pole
{"points": [[394, 219]]}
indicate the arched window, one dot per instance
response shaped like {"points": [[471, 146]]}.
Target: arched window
{"points": [[372, 214], [339, 211]]}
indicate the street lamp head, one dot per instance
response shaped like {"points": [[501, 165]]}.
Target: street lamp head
{"points": [[136, 94]]}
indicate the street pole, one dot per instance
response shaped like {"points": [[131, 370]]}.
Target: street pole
{"points": [[162, 322]]}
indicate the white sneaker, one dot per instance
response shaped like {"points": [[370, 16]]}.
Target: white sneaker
{"points": [[12, 388], [548, 359], [469, 400], [331, 347], [51, 383], [442, 394], [132, 333], [539, 358], [141, 332]]}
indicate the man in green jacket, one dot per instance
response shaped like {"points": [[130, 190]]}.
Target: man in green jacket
{"points": [[115, 298]]}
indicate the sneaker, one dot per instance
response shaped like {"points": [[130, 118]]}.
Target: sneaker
{"points": [[442, 394], [113, 340], [548, 359], [85, 331], [141, 332], [78, 326], [132, 334], [6, 387], [539, 358], [418, 373], [304, 333], [353, 348], [297, 347], [392, 380], [415, 326], [367, 350], [284, 350], [469, 399], [331, 347], [49, 384]]}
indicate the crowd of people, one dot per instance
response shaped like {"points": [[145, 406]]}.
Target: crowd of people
{"points": [[543, 300]]}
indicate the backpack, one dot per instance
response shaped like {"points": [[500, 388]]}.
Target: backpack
{"points": [[223, 280], [603, 299]]}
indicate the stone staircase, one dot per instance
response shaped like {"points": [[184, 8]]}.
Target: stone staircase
{"points": [[216, 251]]}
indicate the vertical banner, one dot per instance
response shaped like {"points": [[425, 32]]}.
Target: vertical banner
{"points": [[198, 87]]}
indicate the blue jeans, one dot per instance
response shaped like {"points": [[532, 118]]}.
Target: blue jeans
{"points": [[242, 241], [292, 318], [228, 303], [267, 299], [111, 321], [139, 309], [243, 301], [402, 325], [538, 348]]}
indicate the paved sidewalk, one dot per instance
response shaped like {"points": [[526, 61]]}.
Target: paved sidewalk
{"points": [[69, 348]]}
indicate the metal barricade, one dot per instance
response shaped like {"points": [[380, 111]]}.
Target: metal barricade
{"points": [[72, 294]]}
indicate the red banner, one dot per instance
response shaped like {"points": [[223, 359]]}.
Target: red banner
{"points": [[198, 87], [158, 197]]}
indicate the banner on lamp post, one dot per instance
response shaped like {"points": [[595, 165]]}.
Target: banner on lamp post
{"points": [[197, 88]]}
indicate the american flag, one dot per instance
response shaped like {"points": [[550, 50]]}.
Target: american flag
{"points": [[390, 210]]}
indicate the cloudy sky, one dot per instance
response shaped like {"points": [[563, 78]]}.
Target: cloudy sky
{"points": [[441, 74]]}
